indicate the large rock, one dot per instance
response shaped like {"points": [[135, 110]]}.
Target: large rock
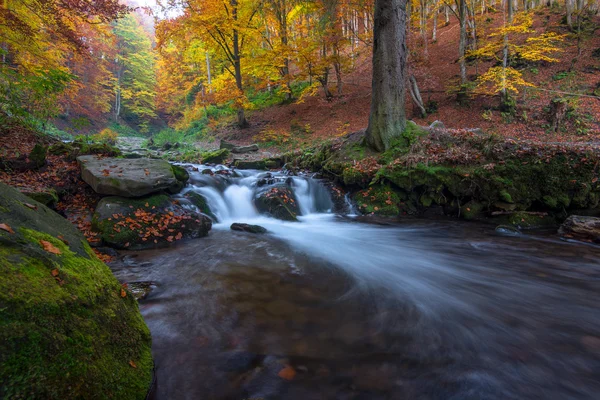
{"points": [[247, 228], [245, 149], [581, 228], [278, 202], [249, 164], [145, 223], [68, 330], [127, 177]]}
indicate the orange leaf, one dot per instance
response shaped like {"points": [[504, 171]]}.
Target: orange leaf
{"points": [[178, 236], [288, 373], [123, 293], [49, 247], [6, 228], [54, 272], [132, 364]]}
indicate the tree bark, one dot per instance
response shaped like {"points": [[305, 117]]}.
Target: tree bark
{"points": [[237, 66], [388, 117], [415, 95]]}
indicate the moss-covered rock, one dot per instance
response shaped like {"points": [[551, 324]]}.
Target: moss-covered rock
{"points": [[145, 223], [243, 164], [278, 202], [215, 157], [68, 330], [47, 197], [201, 203], [37, 156], [180, 173], [78, 148]]}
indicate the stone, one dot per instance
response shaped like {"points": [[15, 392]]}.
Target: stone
{"points": [[215, 157], [201, 204], [63, 309], [278, 202], [582, 228], [48, 197], [245, 149], [146, 223], [37, 156], [248, 228], [140, 290], [246, 164], [437, 126], [127, 177], [508, 230], [227, 145]]}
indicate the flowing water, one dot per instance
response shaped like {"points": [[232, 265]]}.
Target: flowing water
{"points": [[410, 310]]}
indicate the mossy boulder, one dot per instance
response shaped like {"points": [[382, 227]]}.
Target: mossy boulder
{"points": [[201, 203], [278, 202], [47, 197], [128, 177], [78, 148], [68, 329], [246, 164], [215, 157], [145, 223], [182, 177], [38, 154], [248, 228]]}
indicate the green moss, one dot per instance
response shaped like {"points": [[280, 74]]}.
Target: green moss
{"points": [[215, 157], [200, 202], [472, 210], [69, 336], [38, 155], [524, 220], [47, 197], [505, 196], [378, 200], [180, 173]]}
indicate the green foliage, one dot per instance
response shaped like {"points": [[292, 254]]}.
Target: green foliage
{"points": [[559, 76]]}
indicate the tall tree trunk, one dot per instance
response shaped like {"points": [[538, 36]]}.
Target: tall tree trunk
{"points": [[435, 23], [462, 45], [237, 66], [388, 118], [208, 75], [505, 54]]}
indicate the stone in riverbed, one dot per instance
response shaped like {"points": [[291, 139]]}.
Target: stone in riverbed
{"points": [[278, 202], [127, 177], [248, 228], [242, 164], [581, 228], [145, 223], [62, 308], [245, 149]]}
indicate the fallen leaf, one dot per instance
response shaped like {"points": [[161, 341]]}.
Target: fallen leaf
{"points": [[132, 364], [6, 228], [49, 247], [30, 206], [54, 272], [288, 373], [123, 293]]}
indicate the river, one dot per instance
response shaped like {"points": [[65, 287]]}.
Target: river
{"points": [[332, 307]]}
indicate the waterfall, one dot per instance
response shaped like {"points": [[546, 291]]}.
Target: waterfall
{"points": [[230, 194]]}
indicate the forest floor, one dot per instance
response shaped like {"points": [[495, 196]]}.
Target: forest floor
{"points": [[316, 119]]}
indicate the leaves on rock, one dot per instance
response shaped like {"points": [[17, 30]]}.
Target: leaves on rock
{"points": [[288, 373], [6, 228], [49, 247]]}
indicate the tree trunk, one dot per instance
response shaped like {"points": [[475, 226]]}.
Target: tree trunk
{"points": [[462, 43], [388, 118], [208, 75], [237, 66]]}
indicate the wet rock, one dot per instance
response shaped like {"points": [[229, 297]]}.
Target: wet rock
{"points": [[201, 203], [207, 171], [508, 230], [278, 202], [245, 149], [127, 177], [215, 157], [144, 223], [140, 290], [248, 228], [243, 164], [60, 305], [581, 228]]}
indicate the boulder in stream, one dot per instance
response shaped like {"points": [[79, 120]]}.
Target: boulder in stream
{"points": [[278, 202], [249, 164], [69, 329], [128, 177], [145, 223], [581, 228], [245, 149], [248, 228]]}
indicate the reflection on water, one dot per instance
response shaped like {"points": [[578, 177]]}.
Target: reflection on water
{"points": [[420, 310]]}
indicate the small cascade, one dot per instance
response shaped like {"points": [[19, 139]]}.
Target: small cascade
{"points": [[230, 194]]}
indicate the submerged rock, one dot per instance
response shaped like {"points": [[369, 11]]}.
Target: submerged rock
{"points": [[508, 230], [248, 228], [145, 223], [69, 329], [128, 177], [278, 202], [581, 228]]}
